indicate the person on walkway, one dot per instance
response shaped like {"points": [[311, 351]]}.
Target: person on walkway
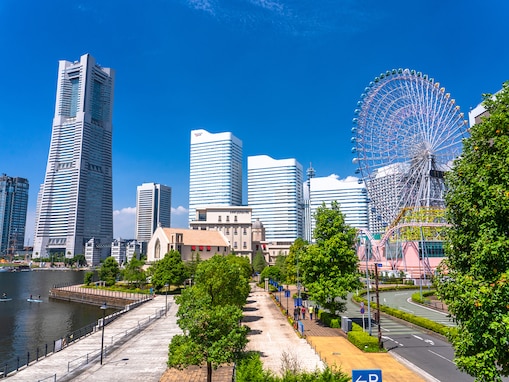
{"points": [[311, 309], [303, 311], [295, 314]]}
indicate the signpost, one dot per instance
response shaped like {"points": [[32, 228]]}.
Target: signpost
{"points": [[367, 375]]}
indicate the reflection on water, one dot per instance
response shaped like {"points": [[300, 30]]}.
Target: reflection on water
{"points": [[26, 326]]}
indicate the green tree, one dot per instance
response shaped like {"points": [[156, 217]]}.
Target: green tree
{"points": [[109, 271], [259, 262], [169, 270], [271, 272], [283, 269], [213, 335], [474, 279], [209, 314], [89, 276], [222, 280], [243, 264], [330, 266], [133, 272], [80, 260], [292, 260]]}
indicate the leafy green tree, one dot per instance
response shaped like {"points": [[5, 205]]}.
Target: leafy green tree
{"points": [[80, 260], [109, 271], [330, 267], [213, 335], [133, 272], [243, 264], [283, 269], [259, 262], [271, 272], [223, 281], [209, 314], [474, 280], [89, 276], [292, 260], [169, 270]]}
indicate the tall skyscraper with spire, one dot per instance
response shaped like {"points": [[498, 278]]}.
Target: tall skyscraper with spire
{"points": [[75, 202], [215, 176]]}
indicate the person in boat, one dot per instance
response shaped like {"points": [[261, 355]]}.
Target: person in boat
{"points": [[30, 297], [4, 295]]}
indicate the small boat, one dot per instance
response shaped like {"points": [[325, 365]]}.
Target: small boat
{"points": [[5, 299], [34, 299]]}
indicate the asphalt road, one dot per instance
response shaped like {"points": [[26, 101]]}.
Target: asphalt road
{"points": [[432, 353]]}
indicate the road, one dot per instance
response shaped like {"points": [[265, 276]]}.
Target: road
{"points": [[427, 351]]}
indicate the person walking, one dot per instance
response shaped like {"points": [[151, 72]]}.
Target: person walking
{"points": [[311, 310], [303, 311], [295, 314]]}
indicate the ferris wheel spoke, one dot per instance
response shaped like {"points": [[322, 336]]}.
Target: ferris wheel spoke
{"points": [[408, 131]]}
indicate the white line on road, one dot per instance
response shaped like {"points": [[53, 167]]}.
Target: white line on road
{"points": [[419, 338], [408, 310], [441, 356], [268, 335]]}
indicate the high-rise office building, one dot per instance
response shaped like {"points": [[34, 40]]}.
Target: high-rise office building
{"points": [[275, 194], [351, 196], [13, 214], [215, 176], [75, 202], [153, 209]]}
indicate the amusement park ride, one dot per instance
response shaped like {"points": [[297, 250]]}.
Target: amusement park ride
{"points": [[407, 132]]}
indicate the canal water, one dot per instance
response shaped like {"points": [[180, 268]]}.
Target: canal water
{"points": [[26, 326]]}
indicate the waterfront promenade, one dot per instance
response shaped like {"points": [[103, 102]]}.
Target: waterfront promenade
{"points": [[142, 355]]}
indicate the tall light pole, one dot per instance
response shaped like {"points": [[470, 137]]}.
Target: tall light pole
{"points": [[166, 304], [103, 308], [378, 307]]}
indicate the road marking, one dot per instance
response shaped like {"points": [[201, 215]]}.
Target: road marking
{"points": [[429, 342], [400, 294], [268, 335], [408, 310], [441, 356], [419, 338]]}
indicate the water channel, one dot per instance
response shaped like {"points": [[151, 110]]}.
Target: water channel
{"points": [[28, 326]]}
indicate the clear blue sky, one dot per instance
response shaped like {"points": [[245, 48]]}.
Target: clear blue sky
{"points": [[284, 76]]}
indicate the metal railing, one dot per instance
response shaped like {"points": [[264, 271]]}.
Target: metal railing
{"points": [[61, 343]]}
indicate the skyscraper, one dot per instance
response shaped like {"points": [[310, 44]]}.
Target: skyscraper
{"points": [[215, 176], [13, 214], [75, 201], [153, 208], [351, 196], [275, 193]]}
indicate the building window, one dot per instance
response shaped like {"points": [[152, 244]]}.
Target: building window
{"points": [[245, 231], [201, 247], [235, 218], [227, 232], [234, 244], [227, 218], [219, 218], [235, 231], [193, 247], [244, 245], [208, 248]]}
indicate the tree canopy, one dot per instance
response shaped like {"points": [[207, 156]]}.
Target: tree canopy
{"points": [[474, 279], [109, 271], [169, 270], [330, 266], [209, 314]]}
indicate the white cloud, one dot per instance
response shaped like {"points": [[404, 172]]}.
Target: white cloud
{"points": [[179, 211], [123, 223]]}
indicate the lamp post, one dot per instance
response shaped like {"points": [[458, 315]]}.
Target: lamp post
{"points": [[380, 346], [103, 308], [166, 303]]}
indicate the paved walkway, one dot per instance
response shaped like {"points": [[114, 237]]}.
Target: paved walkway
{"points": [[143, 355]]}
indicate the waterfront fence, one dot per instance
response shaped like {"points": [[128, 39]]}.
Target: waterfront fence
{"points": [[60, 343]]}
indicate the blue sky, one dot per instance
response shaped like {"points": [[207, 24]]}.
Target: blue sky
{"points": [[284, 76]]}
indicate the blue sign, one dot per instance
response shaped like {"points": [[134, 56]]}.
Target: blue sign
{"points": [[366, 375], [362, 310], [280, 288], [287, 293]]}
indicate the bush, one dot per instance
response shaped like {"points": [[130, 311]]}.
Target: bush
{"points": [[363, 340]]}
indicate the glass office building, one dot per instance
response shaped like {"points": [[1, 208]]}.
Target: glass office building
{"points": [[275, 194], [13, 214], [153, 208], [75, 202], [215, 176]]}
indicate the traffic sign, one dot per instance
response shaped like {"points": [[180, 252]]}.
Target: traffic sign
{"points": [[366, 375], [362, 310]]}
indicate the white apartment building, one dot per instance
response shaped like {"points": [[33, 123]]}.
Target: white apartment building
{"points": [[275, 195], [153, 209], [215, 176], [75, 202]]}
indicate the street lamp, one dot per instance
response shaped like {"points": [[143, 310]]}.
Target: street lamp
{"points": [[166, 304], [380, 346], [103, 308]]}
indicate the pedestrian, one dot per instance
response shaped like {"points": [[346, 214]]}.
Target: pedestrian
{"points": [[311, 309], [295, 315], [303, 313]]}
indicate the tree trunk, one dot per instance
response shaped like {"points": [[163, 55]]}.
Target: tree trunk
{"points": [[209, 372]]}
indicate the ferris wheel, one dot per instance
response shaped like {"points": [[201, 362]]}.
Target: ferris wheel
{"points": [[407, 132]]}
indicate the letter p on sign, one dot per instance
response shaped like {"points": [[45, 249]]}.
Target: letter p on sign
{"points": [[366, 375]]}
